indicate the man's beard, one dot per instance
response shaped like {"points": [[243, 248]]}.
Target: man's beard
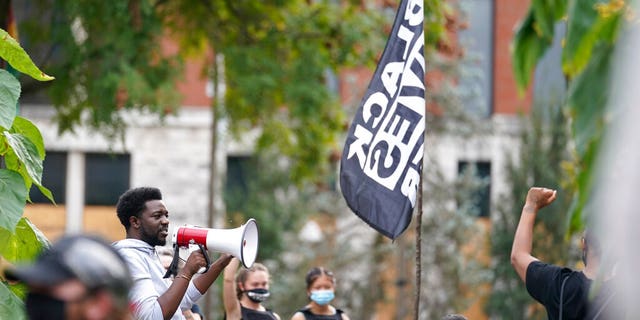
{"points": [[152, 239]]}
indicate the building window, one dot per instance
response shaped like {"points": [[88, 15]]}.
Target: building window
{"points": [[239, 171], [53, 178], [106, 177], [476, 82], [474, 180]]}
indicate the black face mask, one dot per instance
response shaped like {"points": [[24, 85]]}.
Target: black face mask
{"points": [[40, 306], [258, 295]]}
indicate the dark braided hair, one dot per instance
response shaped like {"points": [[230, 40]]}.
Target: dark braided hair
{"points": [[317, 272]]}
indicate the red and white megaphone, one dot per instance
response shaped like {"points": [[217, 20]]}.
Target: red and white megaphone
{"points": [[241, 242]]}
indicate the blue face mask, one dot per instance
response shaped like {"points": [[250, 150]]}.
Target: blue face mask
{"points": [[322, 297]]}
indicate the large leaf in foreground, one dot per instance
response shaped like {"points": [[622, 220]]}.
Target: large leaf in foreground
{"points": [[27, 159], [526, 49], [11, 306], [13, 195], [9, 94], [12, 52]]}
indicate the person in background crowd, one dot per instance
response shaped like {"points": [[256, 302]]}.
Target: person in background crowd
{"points": [[321, 285], [244, 293], [146, 221], [79, 277], [565, 293]]}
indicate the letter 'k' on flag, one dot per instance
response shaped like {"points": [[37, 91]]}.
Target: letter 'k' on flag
{"points": [[381, 161]]}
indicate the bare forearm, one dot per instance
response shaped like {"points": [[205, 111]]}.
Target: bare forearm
{"points": [[523, 241], [170, 300], [204, 281], [231, 303], [537, 198]]}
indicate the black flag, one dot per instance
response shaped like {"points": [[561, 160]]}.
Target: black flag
{"points": [[382, 157]]}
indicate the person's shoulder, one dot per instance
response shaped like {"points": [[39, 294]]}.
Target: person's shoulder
{"points": [[131, 244], [298, 316], [266, 310], [537, 268], [133, 253], [342, 314], [544, 279], [305, 309]]}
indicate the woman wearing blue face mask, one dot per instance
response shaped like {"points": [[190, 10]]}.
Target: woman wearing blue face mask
{"points": [[321, 286]]}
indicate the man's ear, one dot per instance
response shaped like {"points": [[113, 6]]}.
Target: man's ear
{"points": [[134, 221]]}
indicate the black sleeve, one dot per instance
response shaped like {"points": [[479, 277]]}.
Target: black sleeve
{"points": [[541, 280]]}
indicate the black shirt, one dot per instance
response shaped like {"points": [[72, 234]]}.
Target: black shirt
{"points": [[545, 282], [250, 314], [311, 316]]}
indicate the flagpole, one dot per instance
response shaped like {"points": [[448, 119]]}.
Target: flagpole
{"points": [[383, 155], [418, 250]]}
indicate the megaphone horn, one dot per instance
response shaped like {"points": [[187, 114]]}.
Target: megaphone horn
{"points": [[241, 242]]}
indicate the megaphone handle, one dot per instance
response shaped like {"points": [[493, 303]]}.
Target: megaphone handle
{"points": [[206, 257], [173, 267]]}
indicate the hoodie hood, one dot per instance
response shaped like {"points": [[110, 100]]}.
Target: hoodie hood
{"points": [[133, 244]]}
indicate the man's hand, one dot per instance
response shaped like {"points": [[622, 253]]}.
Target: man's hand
{"points": [[538, 198], [223, 260], [195, 261]]}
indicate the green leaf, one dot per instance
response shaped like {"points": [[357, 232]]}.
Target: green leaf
{"points": [[29, 130], [585, 30], [584, 181], [29, 160], [13, 196], [546, 13], [11, 306], [46, 192], [42, 239], [587, 98], [526, 49], [21, 247], [9, 94], [12, 163], [24, 244], [12, 52]]}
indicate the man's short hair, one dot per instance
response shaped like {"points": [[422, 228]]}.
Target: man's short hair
{"points": [[89, 259], [133, 202]]}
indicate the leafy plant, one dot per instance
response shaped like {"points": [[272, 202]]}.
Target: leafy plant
{"points": [[280, 58], [22, 152], [593, 28], [108, 57]]}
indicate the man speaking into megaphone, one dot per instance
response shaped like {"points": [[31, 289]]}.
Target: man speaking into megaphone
{"points": [[146, 221]]}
